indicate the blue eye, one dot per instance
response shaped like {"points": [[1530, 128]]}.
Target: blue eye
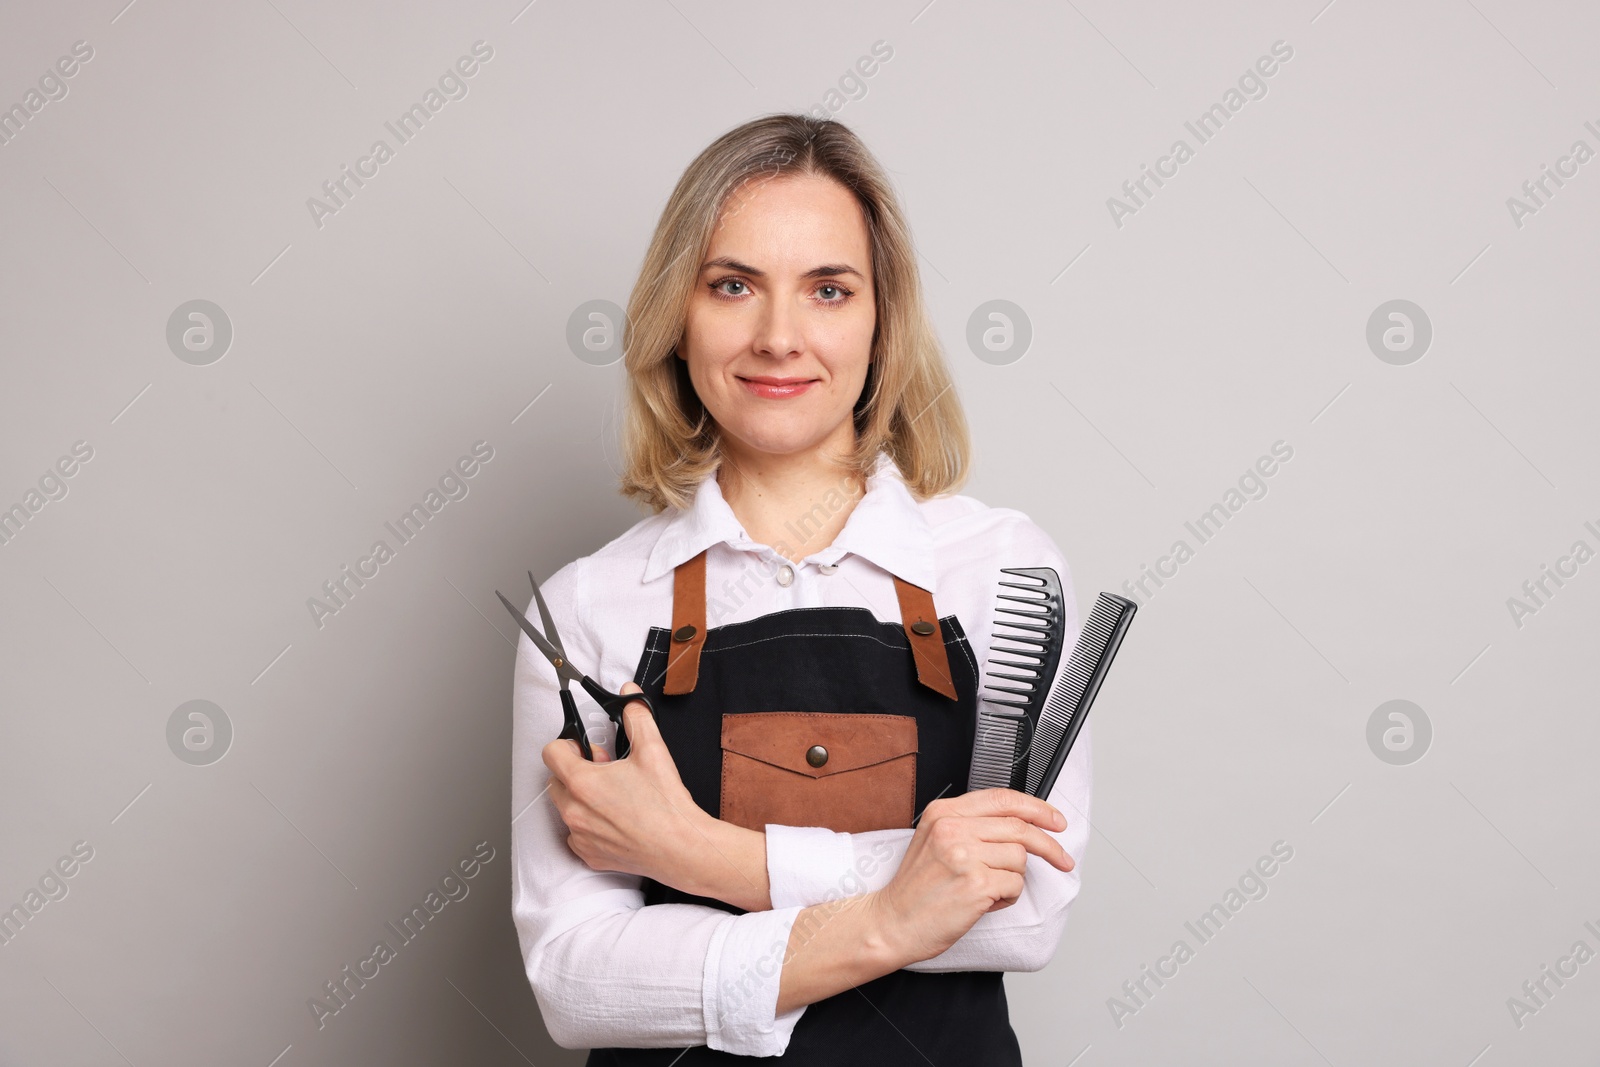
{"points": [[840, 293]]}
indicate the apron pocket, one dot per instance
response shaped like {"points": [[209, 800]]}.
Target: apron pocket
{"points": [[848, 772]]}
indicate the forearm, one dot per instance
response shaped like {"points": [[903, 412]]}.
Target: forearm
{"points": [[834, 947], [724, 862], [1021, 937], [807, 865], [607, 970], [581, 976]]}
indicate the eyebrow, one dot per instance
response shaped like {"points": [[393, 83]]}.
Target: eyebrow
{"points": [[824, 271]]}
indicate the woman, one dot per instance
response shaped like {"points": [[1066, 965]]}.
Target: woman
{"points": [[788, 862]]}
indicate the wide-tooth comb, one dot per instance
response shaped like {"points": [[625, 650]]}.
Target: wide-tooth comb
{"points": [[1057, 727], [1005, 726]]}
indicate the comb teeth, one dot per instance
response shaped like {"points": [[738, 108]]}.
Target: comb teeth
{"points": [[1024, 649], [1029, 637], [1057, 727], [1000, 744]]}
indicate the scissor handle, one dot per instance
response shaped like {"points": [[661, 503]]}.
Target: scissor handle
{"points": [[612, 704], [572, 728]]}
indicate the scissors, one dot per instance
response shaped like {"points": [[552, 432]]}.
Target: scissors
{"points": [[612, 703]]}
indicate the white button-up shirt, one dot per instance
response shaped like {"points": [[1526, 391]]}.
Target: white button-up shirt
{"points": [[610, 972]]}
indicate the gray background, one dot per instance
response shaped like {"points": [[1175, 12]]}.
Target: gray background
{"points": [[1167, 355]]}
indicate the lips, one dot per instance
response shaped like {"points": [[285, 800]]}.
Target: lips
{"points": [[772, 388]]}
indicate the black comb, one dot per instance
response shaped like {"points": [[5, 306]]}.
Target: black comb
{"points": [[1006, 722], [1057, 727]]}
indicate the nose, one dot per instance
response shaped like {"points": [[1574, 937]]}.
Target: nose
{"points": [[778, 330]]}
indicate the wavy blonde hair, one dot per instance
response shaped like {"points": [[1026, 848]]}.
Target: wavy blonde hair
{"points": [[907, 407]]}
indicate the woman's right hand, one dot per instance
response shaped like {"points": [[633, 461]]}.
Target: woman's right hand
{"points": [[968, 857]]}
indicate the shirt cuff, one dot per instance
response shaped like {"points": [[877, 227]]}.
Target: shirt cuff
{"points": [[740, 995], [805, 864]]}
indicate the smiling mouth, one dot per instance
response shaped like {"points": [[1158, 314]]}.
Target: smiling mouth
{"points": [[776, 388]]}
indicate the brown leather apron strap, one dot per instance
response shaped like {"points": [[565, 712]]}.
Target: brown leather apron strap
{"points": [[921, 623], [688, 625], [917, 615]]}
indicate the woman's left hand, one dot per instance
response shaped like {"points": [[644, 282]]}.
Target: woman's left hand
{"points": [[632, 815]]}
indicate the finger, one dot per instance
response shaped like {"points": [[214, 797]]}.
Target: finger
{"points": [[600, 754], [1005, 887], [1007, 896], [1001, 855], [631, 687], [1029, 836], [1025, 806], [561, 756], [641, 726], [996, 802]]}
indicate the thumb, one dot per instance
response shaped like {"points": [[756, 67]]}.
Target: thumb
{"points": [[636, 717]]}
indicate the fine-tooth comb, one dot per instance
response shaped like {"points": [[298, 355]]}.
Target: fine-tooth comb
{"points": [[1023, 738], [1074, 693], [1005, 726]]}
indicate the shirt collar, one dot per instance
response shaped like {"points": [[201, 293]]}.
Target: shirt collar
{"points": [[886, 527]]}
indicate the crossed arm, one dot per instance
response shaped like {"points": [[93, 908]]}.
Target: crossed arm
{"points": [[825, 911]]}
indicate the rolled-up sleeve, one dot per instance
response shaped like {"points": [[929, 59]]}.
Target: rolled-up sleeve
{"points": [[808, 865], [607, 970]]}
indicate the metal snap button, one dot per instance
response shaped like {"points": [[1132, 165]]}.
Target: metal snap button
{"points": [[922, 626], [685, 632], [816, 755], [785, 575]]}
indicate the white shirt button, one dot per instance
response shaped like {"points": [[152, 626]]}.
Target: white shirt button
{"points": [[828, 568], [785, 575]]}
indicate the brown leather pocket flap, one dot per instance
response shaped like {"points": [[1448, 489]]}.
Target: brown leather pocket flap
{"points": [[852, 741]]}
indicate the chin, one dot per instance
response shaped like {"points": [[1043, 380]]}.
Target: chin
{"points": [[772, 440]]}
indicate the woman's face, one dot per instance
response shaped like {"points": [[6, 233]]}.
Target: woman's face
{"points": [[779, 332]]}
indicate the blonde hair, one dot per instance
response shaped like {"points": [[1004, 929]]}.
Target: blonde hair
{"points": [[908, 406]]}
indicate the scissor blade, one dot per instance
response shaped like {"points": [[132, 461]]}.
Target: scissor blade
{"points": [[564, 668], [551, 633]]}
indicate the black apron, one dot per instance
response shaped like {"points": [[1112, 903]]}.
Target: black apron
{"points": [[834, 660]]}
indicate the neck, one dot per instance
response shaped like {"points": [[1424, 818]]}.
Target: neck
{"points": [[797, 503]]}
